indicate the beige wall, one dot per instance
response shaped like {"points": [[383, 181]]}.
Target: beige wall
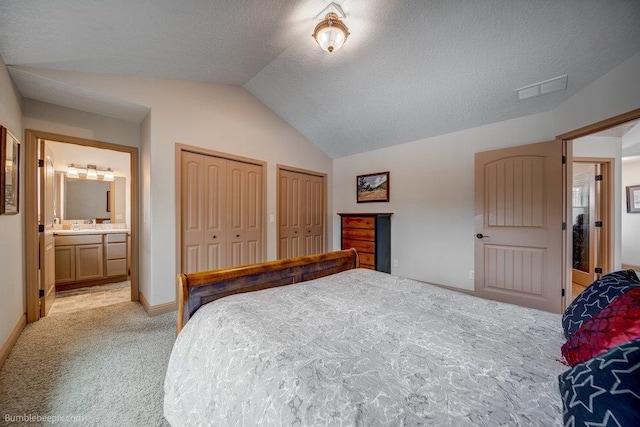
{"points": [[432, 186], [12, 278], [431, 195], [217, 117]]}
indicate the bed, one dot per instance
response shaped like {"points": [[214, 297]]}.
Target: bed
{"points": [[351, 346]]}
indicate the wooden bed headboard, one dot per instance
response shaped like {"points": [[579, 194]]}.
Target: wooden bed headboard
{"points": [[197, 289]]}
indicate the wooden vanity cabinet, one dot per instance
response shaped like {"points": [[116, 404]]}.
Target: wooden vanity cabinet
{"points": [[90, 259], [116, 256], [370, 235]]}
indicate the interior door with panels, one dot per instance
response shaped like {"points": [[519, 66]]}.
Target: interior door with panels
{"points": [[518, 225], [221, 212], [203, 187], [244, 207], [301, 213]]}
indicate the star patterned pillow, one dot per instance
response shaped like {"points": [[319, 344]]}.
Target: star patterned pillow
{"points": [[605, 390], [617, 323], [596, 297]]}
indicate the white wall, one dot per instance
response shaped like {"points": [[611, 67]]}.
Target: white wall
{"points": [[432, 195], [12, 279], [630, 221], [217, 117], [67, 121], [432, 184], [610, 148]]}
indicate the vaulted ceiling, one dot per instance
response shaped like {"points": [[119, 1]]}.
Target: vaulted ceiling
{"points": [[409, 70]]}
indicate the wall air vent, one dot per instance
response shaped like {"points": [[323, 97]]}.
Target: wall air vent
{"points": [[542, 88]]}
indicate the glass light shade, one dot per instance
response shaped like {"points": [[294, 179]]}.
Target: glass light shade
{"points": [[72, 172], [92, 173], [331, 33], [108, 175]]}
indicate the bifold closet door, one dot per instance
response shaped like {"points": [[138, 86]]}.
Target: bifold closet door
{"points": [[203, 203], [301, 214], [244, 207]]}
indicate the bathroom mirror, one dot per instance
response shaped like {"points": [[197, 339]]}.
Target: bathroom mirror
{"points": [[82, 199]]}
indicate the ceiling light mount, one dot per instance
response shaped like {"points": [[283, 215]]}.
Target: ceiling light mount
{"points": [[331, 33]]}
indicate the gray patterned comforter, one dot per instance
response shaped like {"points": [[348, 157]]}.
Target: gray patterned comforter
{"points": [[364, 348]]}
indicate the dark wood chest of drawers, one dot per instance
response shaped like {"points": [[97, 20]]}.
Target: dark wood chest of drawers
{"points": [[370, 235]]}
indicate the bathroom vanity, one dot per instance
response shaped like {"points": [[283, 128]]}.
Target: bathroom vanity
{"points": [[89, 257]]}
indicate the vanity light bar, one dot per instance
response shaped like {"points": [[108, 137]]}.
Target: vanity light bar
{"points": [[90, 172]]}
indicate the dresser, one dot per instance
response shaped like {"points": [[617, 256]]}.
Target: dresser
{"points": [[370, 235]]}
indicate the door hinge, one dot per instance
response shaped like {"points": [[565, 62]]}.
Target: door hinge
{"points": [[598, 270], [40, 228], [40, 163], [598, 223], [40, 293], [564, 159], [564, 226], [562, 291], [598, 177]]}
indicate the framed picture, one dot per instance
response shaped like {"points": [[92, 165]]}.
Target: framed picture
{"points": [[373, 187], [9, 173], [633, 199]]}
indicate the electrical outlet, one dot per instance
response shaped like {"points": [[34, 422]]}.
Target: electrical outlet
{"points": [[472, 275], [395, 262]]}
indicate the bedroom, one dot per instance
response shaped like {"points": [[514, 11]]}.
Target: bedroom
{"points": [[431, 233]]}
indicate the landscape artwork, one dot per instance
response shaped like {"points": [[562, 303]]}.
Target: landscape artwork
{"points": [[373, 187]]}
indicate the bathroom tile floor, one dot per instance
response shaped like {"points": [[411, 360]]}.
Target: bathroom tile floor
{"points": [[87, 298]]}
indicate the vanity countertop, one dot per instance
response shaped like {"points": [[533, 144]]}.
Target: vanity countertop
{"points": [[91, 231]]}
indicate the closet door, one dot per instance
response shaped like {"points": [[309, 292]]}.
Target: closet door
{"points": [[244, 207], [203, 189], [291, 215], [301, 214], [314, 214]]}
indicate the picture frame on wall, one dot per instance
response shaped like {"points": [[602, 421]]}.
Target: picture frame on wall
{"points": [[9, 173], [373, 187], [633, 199]]}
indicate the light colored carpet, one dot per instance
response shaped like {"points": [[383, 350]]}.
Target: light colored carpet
{"points": [[105, 365]]}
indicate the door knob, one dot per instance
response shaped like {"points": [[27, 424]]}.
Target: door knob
{"points": [[481, 236], [214, 236], [237, 235]]}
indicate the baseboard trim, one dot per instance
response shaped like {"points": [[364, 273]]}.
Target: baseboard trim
{"points": [[11, 339], [450, 288], [631, 267], [156, 310]]}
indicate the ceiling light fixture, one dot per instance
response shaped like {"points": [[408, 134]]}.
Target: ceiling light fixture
{"points": [[331, 33]]}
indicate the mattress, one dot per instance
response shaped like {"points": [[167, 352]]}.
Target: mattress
{"points": [[365, 348]]}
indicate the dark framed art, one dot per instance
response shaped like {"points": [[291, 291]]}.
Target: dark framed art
{"points": [[9, 173], [373, 187], [633, 199]]}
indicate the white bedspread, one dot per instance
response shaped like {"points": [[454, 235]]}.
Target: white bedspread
{"points": [[365, 348]]}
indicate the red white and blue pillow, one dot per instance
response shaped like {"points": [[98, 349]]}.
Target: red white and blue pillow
{"points": [[605, 390], [596, 297], [617, 323]]}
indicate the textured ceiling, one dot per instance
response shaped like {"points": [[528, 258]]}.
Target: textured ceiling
{"points": [[410, 69]]}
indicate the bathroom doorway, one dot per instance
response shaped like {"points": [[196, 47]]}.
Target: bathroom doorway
{"points": [[103, 265]]}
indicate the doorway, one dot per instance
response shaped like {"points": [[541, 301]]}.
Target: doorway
{"points": [[36, 286], [620, 121], [591, 216]]}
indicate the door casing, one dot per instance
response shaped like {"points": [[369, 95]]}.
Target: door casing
{"points": [[568, 138], [31, 212]]}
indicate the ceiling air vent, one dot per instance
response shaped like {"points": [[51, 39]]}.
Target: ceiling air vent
{"points": [[542, 88]]}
